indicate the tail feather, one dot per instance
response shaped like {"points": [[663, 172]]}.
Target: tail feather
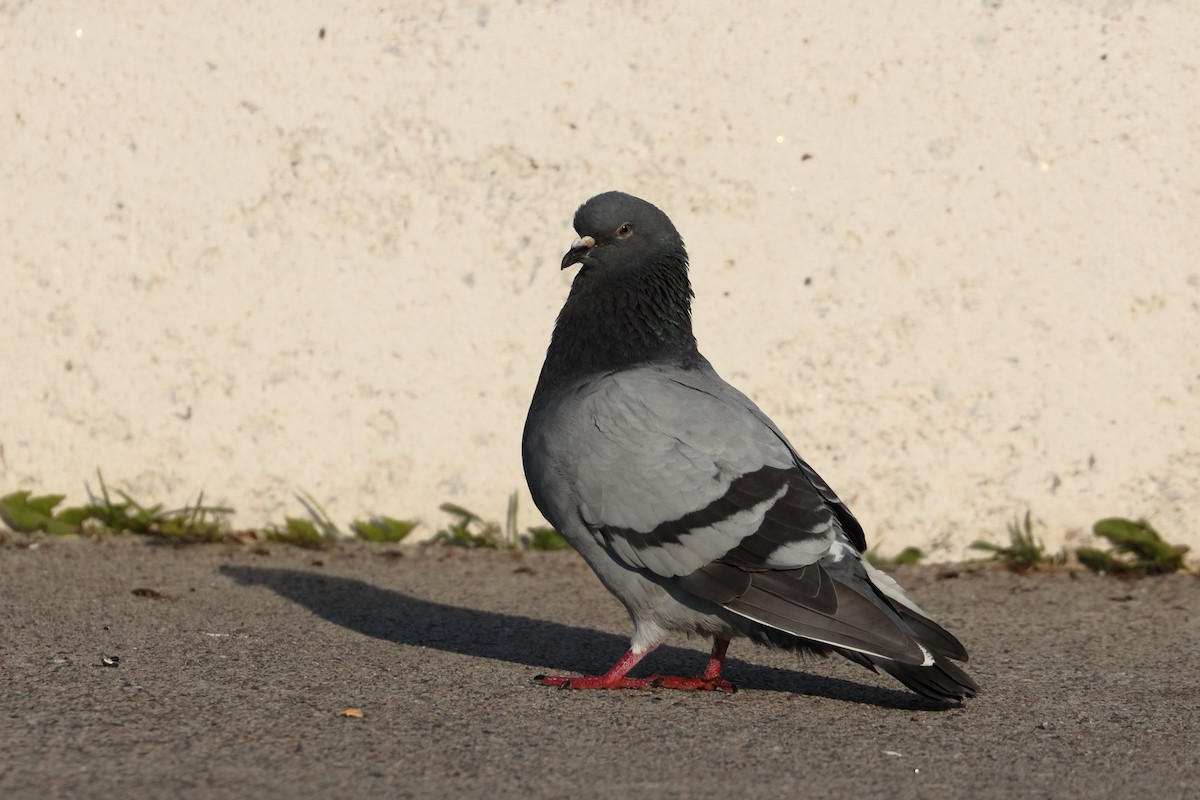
{"points": [[839, 604], [932, 635], [942, 680]]}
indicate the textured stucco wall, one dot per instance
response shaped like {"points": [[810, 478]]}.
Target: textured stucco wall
{"points": [[951, 247]]}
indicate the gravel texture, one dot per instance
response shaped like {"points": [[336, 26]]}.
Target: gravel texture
{"points": [[233, 664]]}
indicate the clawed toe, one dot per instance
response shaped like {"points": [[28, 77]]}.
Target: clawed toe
{"points": [[697, 684]]}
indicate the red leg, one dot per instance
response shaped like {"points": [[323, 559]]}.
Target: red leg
{"points": [[616, 678], [716, 660], [710, 681]]}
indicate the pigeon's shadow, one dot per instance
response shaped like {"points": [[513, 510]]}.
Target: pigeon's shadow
{"points": [[396, 617]]}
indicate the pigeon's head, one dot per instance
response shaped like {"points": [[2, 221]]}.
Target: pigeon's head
{"points": [[630, 302], [618, 231]]}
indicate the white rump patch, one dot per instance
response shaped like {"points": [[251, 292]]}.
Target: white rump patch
{"points": [[803, 552]]}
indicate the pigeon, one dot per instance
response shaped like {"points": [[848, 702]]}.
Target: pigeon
{"points": [[690, 505]]}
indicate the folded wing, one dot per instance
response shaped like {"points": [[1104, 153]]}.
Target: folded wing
{"points": [[681, 475]]}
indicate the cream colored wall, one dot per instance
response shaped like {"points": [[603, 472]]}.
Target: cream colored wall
{"points": [[951, 247]]}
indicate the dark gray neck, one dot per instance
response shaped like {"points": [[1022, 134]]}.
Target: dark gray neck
{"points": [[612, 322]]}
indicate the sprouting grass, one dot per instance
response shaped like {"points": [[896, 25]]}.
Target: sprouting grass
{"points": [[382, 529], [319, 531], [111, 511], [1137, 549], [538, 537], [467, 530], [470, 530], [299, 532], [1024, 552], [321, 521], [909, 555], [114, 511], [315, 533], [543, 537]]}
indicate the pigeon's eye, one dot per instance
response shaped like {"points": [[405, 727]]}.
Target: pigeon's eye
{"points": [[625, 231]]}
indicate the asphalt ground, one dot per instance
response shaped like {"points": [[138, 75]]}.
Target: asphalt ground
{"points": [[232, 664]]}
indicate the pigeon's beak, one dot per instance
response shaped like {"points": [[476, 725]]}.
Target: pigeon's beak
{"points": [[579, 250]]}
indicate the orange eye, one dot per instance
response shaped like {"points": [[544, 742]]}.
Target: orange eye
{"points": [[625, 231]]}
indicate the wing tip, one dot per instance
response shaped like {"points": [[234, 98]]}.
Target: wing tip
{"points": [[942, 680]]}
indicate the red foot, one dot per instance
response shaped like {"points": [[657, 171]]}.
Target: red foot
{"points": [[615, 678], [692, 684], [592, 682], [652, 682]]}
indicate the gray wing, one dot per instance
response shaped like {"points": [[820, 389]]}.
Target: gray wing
{"points": [[677, 473]]}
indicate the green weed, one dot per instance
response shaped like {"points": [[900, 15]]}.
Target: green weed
{"points": [[382, 529], [470, 530], [23, 512], [298, 532], [111, 511], [114, 511], [909, 555], [1137, 549], [540, 537], [543, 537], [318, 532], [1024, 552]]}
